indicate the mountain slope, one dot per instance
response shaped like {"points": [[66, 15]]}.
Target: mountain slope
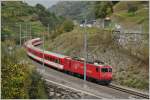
{"points": [[128, 70], [75, 10], [15, 13], [132, 15]]}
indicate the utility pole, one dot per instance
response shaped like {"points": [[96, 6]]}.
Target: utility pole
{"points": [[20, 33], [26, 32], [43, 54], [30, 32], [85, 50], [48, 30]]}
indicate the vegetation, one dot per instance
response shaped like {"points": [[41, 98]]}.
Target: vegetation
{"points": [[18, 80], [103, 9], [132, 14], [17, 74], [67, 25], [81, 10], [77, 10], [16, 13], [37, 89]]}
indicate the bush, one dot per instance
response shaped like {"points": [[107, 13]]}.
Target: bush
{"points": [[132, 8], [18, 79], [37, 88], [67, 26], [102, 9]]}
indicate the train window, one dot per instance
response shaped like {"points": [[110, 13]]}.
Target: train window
{"points": [[57, 60], [110, 69], [52, 59], [104, 70], [97, 70], [47, 58]]}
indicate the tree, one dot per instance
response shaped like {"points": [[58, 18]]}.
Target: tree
{"points": [[67, 25], [132, 8], [17, 78], [103, 8], [40, 7]]}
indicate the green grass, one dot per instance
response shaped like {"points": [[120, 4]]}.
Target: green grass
{"points": [[139, 17], [38, 27]]}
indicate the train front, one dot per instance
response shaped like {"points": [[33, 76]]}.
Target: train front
{"points": [[105, 74]]}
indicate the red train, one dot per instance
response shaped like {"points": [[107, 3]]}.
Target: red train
{"points": [[101, 73]]}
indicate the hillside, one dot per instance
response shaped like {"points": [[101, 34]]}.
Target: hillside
{"points": [[19, 77], [126, 14], [16, 13], [76, 10], [132, 15], [128, 70]]}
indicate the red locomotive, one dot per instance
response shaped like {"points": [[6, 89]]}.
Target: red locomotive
{"points": [[101, 73]]}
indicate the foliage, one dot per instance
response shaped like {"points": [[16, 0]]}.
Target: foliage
{"points": [[17, 74], [67, 25], [40, 7], [102, 9], [46, 17], [18, 12], [15, 80], [37, 89], [132, 14], [132, 8], [76, 10]]}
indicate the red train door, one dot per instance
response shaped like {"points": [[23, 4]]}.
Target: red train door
{"points": [[98, 70], [104, 73], [68, 64]]}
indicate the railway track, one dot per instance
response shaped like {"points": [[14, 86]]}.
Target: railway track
{"points": [[130, 91]]}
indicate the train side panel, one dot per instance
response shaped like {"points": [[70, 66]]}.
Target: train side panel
{"points": [[78, 67]]}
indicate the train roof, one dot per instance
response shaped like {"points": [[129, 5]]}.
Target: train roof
{"points": [[47, 52], [55, 54]]}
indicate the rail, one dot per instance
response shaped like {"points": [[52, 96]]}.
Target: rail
{"points": [[127, 90]]}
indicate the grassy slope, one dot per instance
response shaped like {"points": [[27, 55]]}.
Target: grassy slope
{"points": [[101, 45], [129, 20], [11, 18]]}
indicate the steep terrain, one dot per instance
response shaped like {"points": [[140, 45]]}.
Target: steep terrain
{"points": [[132, 15], [128, 70], [19, 78], [34, 19], [76, 10]]}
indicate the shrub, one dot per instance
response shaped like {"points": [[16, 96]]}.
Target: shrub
{"points": [[18, 79], [67, 25], [37, 88], [132, 8]]}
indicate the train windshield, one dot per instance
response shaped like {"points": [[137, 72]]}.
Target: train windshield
{"points": [[104, 70], [110, 69]]}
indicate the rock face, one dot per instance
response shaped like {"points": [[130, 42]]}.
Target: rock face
{"points": [[136, 43]]}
